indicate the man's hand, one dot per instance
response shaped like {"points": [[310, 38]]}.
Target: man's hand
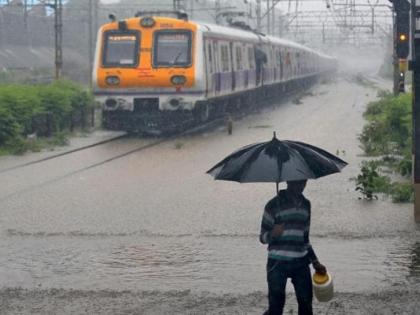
{"points": [[319, 268], [277, 230]]}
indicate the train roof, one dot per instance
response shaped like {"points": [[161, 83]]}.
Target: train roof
{"points": [[237, 32], [255, 37]]}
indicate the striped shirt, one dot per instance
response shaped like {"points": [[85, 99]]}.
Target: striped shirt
{"points": [[295, 216]]}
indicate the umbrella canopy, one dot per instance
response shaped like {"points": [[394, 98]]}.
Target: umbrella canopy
{"points": [[277, 161]]}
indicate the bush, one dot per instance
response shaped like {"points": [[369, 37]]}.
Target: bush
{"points": [[59, 139], [18, 146], [55, 103], [388, 133], [389, 129], [40, 109], [405, 167], [75, 102], [22, 102], [365, 181], [402, 192], [9, 127]]}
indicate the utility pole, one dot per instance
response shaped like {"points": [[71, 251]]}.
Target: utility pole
{"points": [[415, 67], [259, 16], [92, 22], [191, 9], [25, 14], [217, 10], [273, 18], [394, 56], [58, 26], [268, 18], [90, 39], [281, 24], [179, 5], [373, 20], [401, 42]]}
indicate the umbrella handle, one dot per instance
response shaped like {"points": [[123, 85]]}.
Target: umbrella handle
{"points": [[277, 195]]}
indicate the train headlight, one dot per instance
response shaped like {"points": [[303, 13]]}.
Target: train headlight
{"points": [[112, 80], [174, 103], [147, 22], [178, 80], [111, 103]]}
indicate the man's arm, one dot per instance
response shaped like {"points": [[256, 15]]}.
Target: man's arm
{"points": [[267, 224], [319, 268], [311, 253]]}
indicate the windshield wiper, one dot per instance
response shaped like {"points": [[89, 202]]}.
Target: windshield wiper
{"points": [[177, 56]]}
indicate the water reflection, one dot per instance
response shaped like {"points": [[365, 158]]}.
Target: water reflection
{"points": [[151, 255], [415, 261]]}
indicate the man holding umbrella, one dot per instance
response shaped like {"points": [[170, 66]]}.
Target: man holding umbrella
{"points": [[285, 228], [286, 220]]}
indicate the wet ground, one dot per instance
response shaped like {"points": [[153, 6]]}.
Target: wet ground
{"points": [[151, 233]]}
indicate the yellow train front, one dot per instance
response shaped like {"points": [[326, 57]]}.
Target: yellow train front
{"points": [[145, 73]]}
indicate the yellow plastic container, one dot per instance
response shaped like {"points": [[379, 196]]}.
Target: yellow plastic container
{"points": [[323, 287]]}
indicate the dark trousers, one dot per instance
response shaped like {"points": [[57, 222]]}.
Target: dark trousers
{"points": [[277, 274]]}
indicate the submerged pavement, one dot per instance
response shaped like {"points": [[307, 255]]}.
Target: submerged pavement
{"points": [[151, 233]]}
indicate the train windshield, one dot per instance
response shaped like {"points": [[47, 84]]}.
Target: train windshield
{"points": [[172, 49], [121, 49]]}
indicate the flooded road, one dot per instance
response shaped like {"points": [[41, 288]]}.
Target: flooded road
{"points": [[153, 221]]}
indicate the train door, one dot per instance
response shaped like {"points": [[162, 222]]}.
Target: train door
{"points": [[275, 63], [217, 68], [272, 64], [225, 67], [298, 64], [281, 65], [288, 64], [251, 66], [260, 60], [232, 66], [267, 78], [239, 66], [210, 71], [246, 65]]}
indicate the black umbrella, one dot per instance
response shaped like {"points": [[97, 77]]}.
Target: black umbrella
{"points": [[276, 161]]}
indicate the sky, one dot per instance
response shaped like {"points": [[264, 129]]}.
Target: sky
{"points": [[291, 4]]}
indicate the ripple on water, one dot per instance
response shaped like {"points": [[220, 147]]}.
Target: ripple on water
{"points": [[209, 263]]}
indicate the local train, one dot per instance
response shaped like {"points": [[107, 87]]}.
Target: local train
{"points": [[154, 73]]}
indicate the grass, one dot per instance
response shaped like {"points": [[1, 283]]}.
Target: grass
{"points": [[21, 145], [363, 81], [387, 135], [261, 127], [179, 145]]}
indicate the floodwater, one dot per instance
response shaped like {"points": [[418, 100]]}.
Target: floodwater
{"points": [[153, 220]]}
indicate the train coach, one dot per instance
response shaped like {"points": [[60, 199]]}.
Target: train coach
{"points": [[155, 73]]}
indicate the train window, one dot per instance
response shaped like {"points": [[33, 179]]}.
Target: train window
{"points": [[224, 58], [216, 57], [172, 48], [251, 58], [288, 60], [272, 56], [278, 58], [210, 57], [239, 65], [121, 49]]}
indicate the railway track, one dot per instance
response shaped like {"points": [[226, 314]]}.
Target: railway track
{"points": [[102, 162], [60, 154]]}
